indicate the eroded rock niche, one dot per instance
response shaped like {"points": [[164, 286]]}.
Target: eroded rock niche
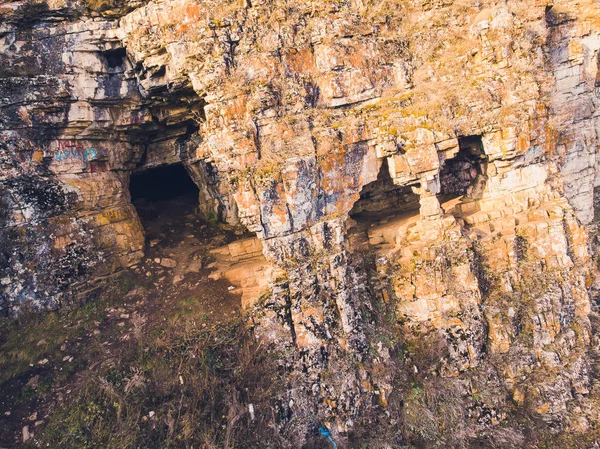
{"points": [[156, 188], [382, 197], [385, 210]]}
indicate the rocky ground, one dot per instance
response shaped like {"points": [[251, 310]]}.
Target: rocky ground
{"points": [[72, 379]]}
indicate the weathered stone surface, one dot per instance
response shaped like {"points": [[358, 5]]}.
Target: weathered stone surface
{"points": [[283, 113]]}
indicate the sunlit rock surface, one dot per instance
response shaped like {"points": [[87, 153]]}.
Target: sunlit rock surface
{"points": [[438, 156]]}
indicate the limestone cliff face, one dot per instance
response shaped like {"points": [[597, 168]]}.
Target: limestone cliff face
{"points": [[440, 157]]}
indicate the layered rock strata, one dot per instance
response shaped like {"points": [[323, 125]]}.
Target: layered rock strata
{"points": [[454, 145]]}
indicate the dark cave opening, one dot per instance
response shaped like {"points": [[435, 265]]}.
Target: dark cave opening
{"points": [[162, 183], [382, 198], [115, 58], [162, 194], [463, 175]]}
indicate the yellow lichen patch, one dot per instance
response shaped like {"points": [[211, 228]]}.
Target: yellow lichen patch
{"points": [[37, 156]]}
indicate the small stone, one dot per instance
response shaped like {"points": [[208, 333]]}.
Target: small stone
{"points": [[26, 434], [125, 316], [157, 260], [168, 263], [148, 273], [121, 324], [96, 332], [65, 358], [43, 362], [230, 288], [39, 422], [41, 342], [177, 279], [154, 242], [33, 382], [33, 416], [6, 413], [151, 414]]}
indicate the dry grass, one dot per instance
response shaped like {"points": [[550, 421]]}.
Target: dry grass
{"points": [[100, 5], [184, 389], [180, 386], [166, 378]]}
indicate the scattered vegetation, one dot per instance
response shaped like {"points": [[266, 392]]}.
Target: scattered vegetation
{"points": [[182, 388], [100, 5], [117, 374]]}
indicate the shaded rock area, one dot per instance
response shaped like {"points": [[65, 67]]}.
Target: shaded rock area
{"points": [[403, 194]]}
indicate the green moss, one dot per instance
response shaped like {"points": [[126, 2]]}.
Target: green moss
{"points": [[211, 217]]}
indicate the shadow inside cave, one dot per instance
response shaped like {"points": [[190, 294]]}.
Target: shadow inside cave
{"points": [[384, 209], [164, 196]]}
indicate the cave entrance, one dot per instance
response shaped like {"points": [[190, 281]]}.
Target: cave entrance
{"points": [[180, 240], [385, 210], [462, 178], [163, 196]]}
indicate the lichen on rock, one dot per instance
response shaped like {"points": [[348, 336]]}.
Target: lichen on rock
{"points": [[435, 159]]}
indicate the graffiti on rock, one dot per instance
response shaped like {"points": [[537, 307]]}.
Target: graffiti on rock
{"points": [[73, 150]]}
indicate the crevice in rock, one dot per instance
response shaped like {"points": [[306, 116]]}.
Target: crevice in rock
{"points": [[596, 204], [384, 210], [463, 175]]}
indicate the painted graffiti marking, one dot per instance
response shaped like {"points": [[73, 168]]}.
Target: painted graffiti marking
{"points": [[70, 150]]}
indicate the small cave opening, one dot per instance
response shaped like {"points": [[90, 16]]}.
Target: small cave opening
{"points": [[384, 209], [219, 264], [163, 196], [463, 177], [115, 58]]}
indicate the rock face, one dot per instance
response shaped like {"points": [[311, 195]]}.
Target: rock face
{"points": [[436, 156]]}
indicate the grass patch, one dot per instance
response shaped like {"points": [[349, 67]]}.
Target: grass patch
{"points": [[186, 388], [151, 375]]}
